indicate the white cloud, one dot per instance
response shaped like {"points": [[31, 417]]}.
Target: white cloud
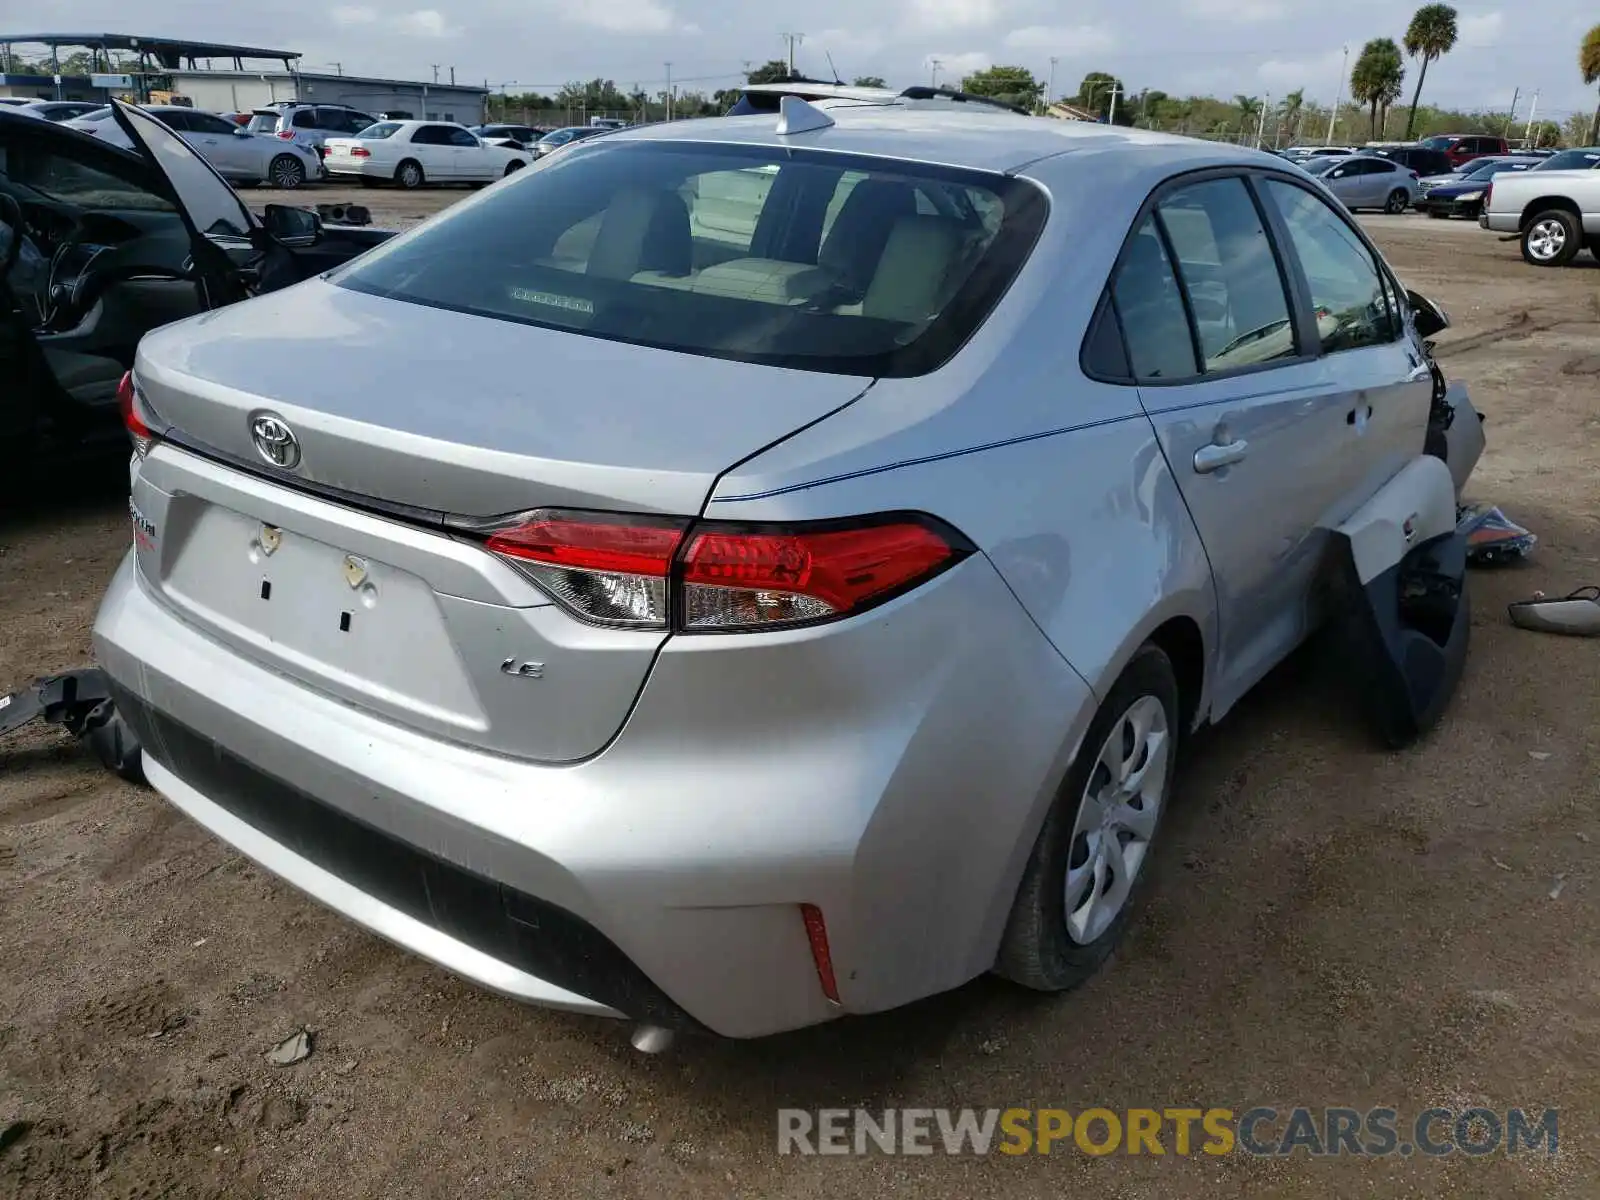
{"points": [[854, 44], [1062, 39], [1316, 75], [1238, 10], [627, 16], [426, 23], [953, 14], [350, 15], [1481, 30]]}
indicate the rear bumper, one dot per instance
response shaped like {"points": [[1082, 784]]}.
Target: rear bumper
{"points": [[355, 168], [660, 879], [1501, 222]]}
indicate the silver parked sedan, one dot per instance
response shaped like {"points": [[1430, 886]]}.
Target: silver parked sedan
{"points": [[1367, 181], [816, 629]]}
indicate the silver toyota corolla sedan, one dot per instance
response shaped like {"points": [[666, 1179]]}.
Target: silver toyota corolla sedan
{"points": [[815, 629]]}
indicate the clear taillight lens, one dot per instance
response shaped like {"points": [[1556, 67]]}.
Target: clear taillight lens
{"points": [[128, 401], [653, 572], [608, 569]]}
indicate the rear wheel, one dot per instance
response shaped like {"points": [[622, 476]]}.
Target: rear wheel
{"points": [[286, 172], [513, 167], [1551, 239], [409, 174], [1078, 891], [1397, 201]]}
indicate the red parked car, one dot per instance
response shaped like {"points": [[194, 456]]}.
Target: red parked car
{"points": [[1464, 147]]}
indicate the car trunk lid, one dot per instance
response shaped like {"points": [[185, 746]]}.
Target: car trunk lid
{"points": [[410, 416]]}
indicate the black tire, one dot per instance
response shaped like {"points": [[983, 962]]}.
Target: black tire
{"points": [[409, 175], [1037, 950], [513, 167], [1552, 239], [1396, 203], [115, 745], [286, 172]]}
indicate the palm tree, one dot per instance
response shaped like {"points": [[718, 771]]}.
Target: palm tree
{"points": [[1377, 76], [1589, 64], [1432, 33], [1293, 104], [1249, 108]]}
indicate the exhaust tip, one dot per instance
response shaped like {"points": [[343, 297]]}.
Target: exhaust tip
{"points": [[652, 1039]]}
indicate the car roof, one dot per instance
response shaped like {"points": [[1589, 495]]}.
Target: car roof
{"points": [[978, 138]]}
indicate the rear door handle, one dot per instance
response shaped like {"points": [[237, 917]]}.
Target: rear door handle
{"points": [[1214, 457]]}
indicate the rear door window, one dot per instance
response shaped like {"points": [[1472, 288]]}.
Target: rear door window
{"points": [[655, 243], [263, 123], [1154, 323], [1230, 274], [460, 137]]}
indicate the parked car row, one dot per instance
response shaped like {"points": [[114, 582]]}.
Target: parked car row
{"points": [[239, 155]]}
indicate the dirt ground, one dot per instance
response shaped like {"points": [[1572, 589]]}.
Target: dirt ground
{"points": [[1330, 924]]}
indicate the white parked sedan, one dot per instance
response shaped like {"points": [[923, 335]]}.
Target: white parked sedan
{"points": [[237, 154], [412, 153]]}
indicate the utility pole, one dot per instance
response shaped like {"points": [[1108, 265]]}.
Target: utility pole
{"points": [[1532, 113], [1261, 126], [1050, 88], [934, 67], [1338, 96], [1111, 117], [435, 67], [794, 39], [669, 91], [1510, 120], [452, 77]]}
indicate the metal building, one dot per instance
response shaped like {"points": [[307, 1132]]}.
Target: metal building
{"points": [[213, 75]]}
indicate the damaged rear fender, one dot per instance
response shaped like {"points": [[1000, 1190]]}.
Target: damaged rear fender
{"points": [[1403, 614]]}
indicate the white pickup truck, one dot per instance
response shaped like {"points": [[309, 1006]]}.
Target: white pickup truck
{"points": [[1554, 209]]}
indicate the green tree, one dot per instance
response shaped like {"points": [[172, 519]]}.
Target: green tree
{"points": [[1378, 76], [1095, 94], [773, 71], [870, 81], [1546, 136], [1247, 109], [1014, 85], [1289, 113], [1589, 64], [1431, 34]]}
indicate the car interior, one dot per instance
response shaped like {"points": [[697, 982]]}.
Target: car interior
{"points": [[94, 258]]}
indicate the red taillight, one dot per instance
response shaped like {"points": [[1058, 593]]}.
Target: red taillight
{"points": [[143, 436], [286, 134], [360, 152], [608, 569], [621, 570], [817, 935], [747, 580], [1488, 195]]}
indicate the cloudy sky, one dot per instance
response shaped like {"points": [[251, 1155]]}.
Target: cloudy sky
{"points": [[1180, 46]]}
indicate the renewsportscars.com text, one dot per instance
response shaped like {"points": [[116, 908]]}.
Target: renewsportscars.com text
{"points": [[1260, 1131]]}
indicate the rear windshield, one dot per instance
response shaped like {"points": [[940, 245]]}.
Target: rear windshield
{"points": [[1321, 165], [793, 258], [377, 132], [1571, 160], [263, 123]]}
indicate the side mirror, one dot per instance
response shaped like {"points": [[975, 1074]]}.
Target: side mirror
{"points": [[1429, 318], [292, 226]]}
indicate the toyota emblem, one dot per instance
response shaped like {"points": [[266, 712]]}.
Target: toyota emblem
{"points": [[274, 440]]}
